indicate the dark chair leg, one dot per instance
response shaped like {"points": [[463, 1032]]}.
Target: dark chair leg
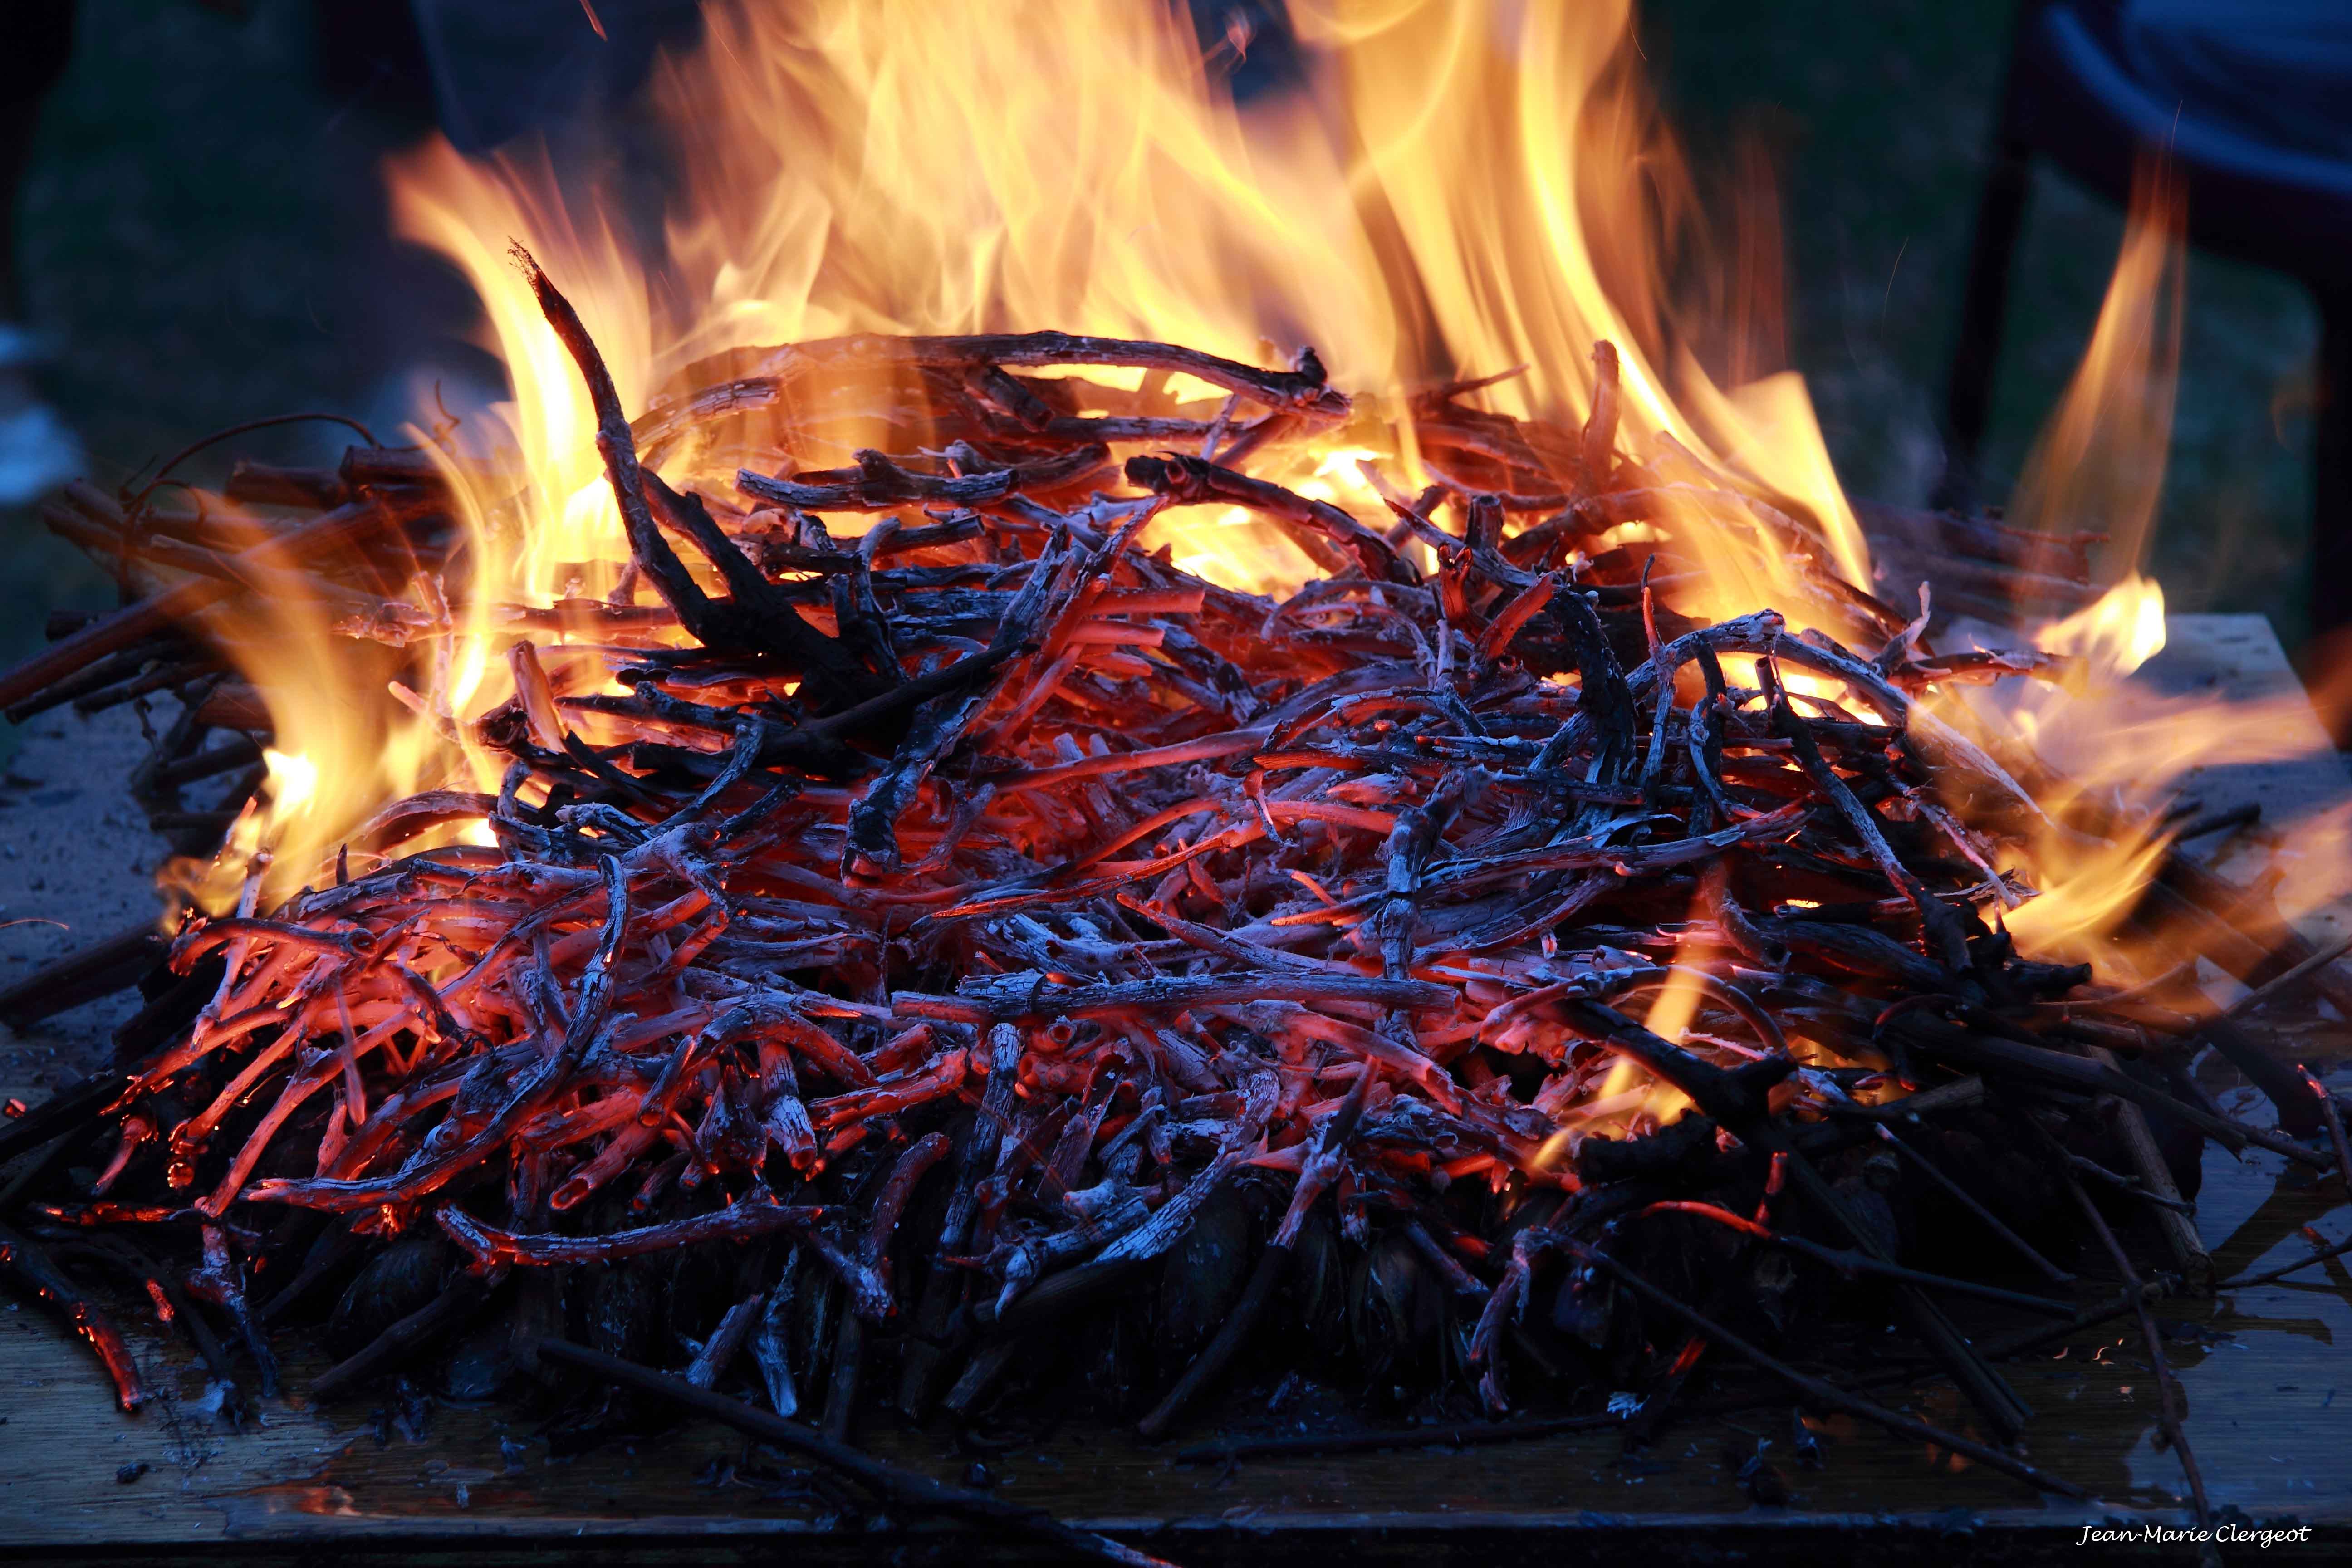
{"points": [[36, 46], [1967, 399], [2331, 466]]}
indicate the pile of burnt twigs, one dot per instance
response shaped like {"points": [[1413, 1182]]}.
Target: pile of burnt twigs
{"points": [[978, 934]]}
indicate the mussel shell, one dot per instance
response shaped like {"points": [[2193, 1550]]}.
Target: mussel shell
{"points": [[1586, 1308], [482, 1365], [1115, 1347], [698, 1287], [1871, 1213], [1396, 1312], [1978, 1155], [1763, 1480], [1315, 1293], [1205, 1274], [538, 1314], [623, 1307], [923, 1358], [2181, 1144], [396, 1281], [817, 1324], [1773, 1288]]}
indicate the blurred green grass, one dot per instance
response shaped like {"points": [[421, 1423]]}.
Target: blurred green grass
{"points": [[199, 233], [1884, 113], [204, 234]]}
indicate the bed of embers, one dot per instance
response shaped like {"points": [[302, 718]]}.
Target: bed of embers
{"points": [[978, 934]]}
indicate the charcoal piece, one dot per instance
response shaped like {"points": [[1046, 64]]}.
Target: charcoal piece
{"points": [[482, 1365], [1681, 1150]]}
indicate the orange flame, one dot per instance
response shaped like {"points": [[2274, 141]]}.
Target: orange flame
{"points": [[2099, 463], [2111, 753], [1459, 189]]}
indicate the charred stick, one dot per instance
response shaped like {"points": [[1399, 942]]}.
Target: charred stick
{"points": [[221, 1282], [2174, 1218], [1057, 1295], [99, 970], [1990, 1220], [849, 1377], [1986, 1388], [1321, 1166], [980, 1374], [2234, 908], [769, 1344], [458, 1301], [30, 1168], [895, 1486], [1936, 1037], [1231, 1335], [1812, 1389], [34, 1271], [757, 613], [69, 1111], [1332, 538], [2270, 989], [1598, 447], [2245, 1281], [2024, 1342], [2298, 1111], [2168, 1389], [263, 579], [489, 1244], [107, 672], [1851, 1263], [240, 752], [172, 1301], [1737, 1098], [2128, 1185], [1032, 996], [695, 610], [939, 724], [1303, 389], [344, 525], [2213, 822], [2327, 1108], [1946, 939], [326, 1254], [878, 484], [726, 1341], [898, 1189]]}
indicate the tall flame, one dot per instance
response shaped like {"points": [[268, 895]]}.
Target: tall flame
{"points": [[2099, 464], [2110, 755], [1458, 192]]}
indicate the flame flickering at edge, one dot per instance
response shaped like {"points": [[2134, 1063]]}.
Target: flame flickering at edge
{"points": [[1459, 191]]}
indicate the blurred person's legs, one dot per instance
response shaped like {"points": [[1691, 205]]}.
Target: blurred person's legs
{"points": [[36, 451]]}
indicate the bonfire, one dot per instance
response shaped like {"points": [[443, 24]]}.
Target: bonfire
{"points": [[867, 921]]}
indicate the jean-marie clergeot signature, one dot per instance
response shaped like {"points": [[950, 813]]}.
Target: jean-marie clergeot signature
{"points": [[2219, 1534]]}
